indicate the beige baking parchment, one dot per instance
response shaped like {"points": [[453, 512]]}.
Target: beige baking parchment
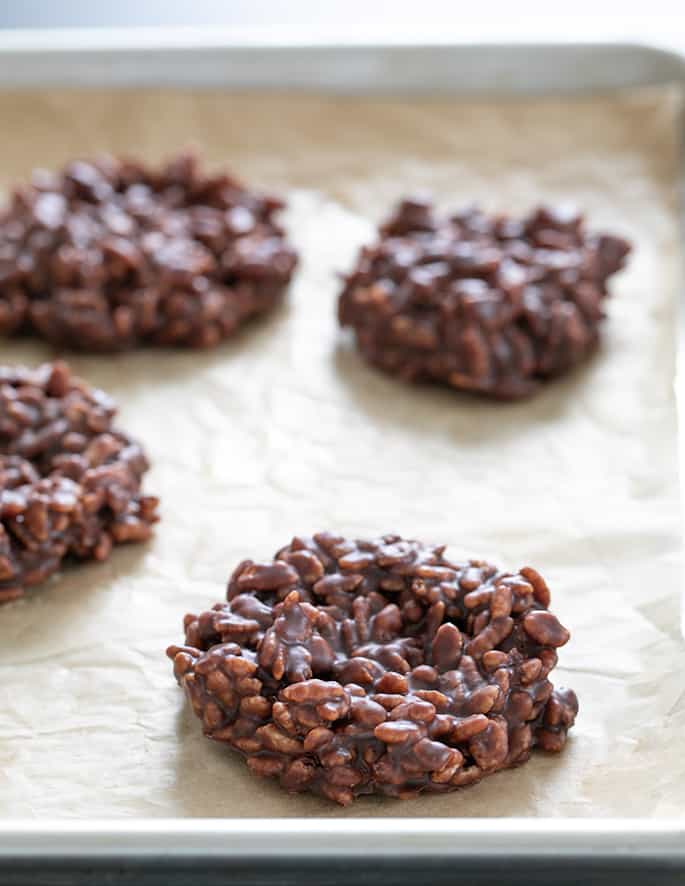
{"points": [[285, 430]]}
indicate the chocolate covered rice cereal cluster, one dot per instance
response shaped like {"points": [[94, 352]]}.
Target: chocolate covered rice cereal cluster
{"points": [[488, 304], [70, 482], [351, 667], [111, 254]]}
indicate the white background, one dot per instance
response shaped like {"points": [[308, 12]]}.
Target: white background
{"points": [[406, 19]]}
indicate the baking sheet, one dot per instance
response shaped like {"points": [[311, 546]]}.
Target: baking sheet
{"points": [[286, 430]]}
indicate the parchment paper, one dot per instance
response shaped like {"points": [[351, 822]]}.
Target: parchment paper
{"points": [[286, 430]]}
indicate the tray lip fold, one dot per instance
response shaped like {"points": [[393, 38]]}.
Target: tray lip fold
{"points": [[199, 57], [638, 839], [167, 57]]}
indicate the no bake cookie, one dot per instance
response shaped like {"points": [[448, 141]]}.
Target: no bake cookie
{"points": [[351, 667], [70, 481], [488, 304], [110, 254]]}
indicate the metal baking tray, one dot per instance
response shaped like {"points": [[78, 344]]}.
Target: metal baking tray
{"points": [[333, 851]]}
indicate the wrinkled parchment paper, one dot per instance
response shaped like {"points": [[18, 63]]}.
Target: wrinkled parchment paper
{"points": [[286, 430]]}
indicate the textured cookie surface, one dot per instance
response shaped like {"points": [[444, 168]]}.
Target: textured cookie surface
{"points": [[70, 482], [111, 254], [347, 667], [488, 304]]}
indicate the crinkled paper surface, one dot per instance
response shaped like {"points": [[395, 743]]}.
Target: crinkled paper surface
{"points": [[285, 430]]}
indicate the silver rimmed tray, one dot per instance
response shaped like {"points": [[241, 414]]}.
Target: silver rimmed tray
{"points": [[331, 851]]}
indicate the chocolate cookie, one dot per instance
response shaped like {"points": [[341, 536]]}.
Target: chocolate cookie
{"points": [[69, 481], [111, 254], [488, 304], [352, 667]]}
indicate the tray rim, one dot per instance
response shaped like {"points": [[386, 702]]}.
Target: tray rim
{"points": [[121, 57], [600, 838], [610, 838]]}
